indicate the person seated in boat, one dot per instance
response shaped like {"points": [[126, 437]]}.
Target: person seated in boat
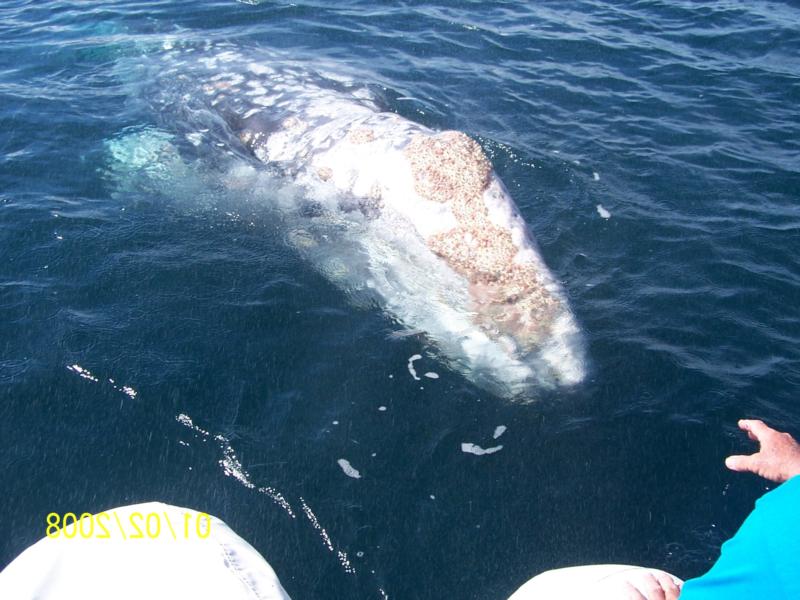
{"points": [[763, 559]]}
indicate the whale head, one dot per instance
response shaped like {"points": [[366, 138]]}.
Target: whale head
{"points": [[514, 300]]}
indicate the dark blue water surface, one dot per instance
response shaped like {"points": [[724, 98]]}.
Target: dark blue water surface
{"points": [[679, 118]]}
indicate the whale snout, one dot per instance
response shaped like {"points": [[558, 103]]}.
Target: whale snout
{"points": [[564, 352]]}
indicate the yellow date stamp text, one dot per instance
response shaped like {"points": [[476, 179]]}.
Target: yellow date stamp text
{"points": [[129, 526]]}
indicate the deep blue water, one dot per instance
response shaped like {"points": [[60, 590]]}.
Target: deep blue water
{"points": [[679, 118]]}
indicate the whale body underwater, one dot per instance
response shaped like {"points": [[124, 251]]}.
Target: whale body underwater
{"points": [[414, 217]]}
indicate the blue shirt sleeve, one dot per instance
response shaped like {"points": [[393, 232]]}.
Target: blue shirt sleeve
{"points": [[763, 559]]}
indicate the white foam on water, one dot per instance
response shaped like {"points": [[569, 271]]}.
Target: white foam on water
{"points": [[326, 539], [232, 467], [312, 518], [470, 448], [348, 469], [345, 562], [85, 373], [186, 421], [411, 368]]}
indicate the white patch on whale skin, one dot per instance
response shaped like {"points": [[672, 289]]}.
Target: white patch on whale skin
{"points": [[196, 138], [264, 101], [259, 69]]}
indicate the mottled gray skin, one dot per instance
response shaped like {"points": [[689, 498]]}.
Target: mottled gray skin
{"points": [[439, 240]]}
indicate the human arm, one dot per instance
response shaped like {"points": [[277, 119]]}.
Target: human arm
{"points": [[760, 561]]}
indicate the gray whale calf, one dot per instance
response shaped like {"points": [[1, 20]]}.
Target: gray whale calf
{"points": [[415, 216]]}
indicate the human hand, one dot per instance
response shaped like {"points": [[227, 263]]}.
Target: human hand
{"points": [[638, 583], [778, 458], [602, 582]]}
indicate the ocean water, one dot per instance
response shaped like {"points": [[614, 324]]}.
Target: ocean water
{"points": [[161, 340]]}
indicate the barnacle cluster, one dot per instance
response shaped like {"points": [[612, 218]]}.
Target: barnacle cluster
{"points": [[361, 135], [510, 297]]}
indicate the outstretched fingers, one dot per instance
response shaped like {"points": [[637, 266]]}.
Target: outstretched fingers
{"points": [[756, 429], [778, 456], [740, 463]]}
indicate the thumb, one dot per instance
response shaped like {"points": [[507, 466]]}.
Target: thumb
{"points": [[742, 463]]}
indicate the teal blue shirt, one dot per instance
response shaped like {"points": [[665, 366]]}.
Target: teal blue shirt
{"points": [[763, 559]]}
